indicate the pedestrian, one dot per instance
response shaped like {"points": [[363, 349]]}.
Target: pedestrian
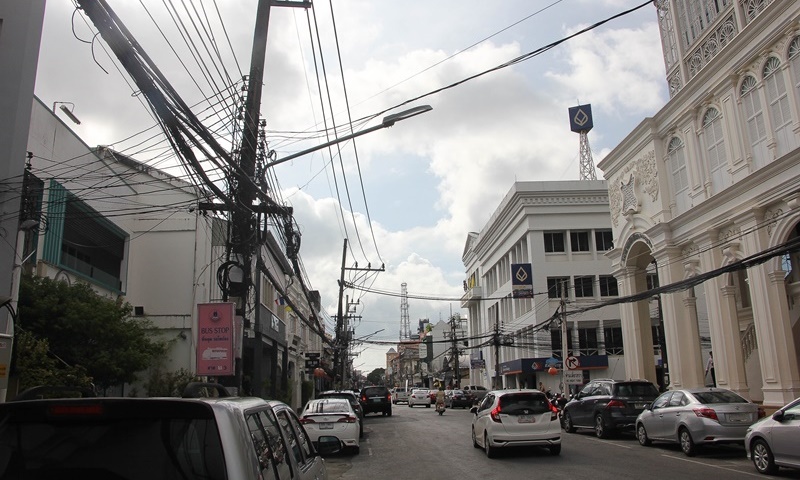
{"points": [[710, 368], [541, 387]]}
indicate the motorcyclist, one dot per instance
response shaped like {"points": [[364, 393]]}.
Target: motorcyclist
{"points": [[440, 398]]}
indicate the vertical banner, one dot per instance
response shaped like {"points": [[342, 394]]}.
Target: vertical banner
{"points": [[215, 344], [521, 280]]}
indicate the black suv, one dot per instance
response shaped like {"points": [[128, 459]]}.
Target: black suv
{"points": [[608, 406], [376, 400]]}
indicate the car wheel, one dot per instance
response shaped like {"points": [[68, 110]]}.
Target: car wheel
{"points": [[763, 459], [600, 427], [427, 405], [687, 444], [555, 450], [474, 439], [491, 451], [641, 435], [568, 426]]}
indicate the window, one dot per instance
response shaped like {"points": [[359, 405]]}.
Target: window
{"points": [[608, 286], [584, 286], [579, 241], [613, 340], [554, 242], [555, 342], [556, 286], [779, 110], [587, 341], [277, 449], [652, 281], [715, 150], [291, 436], [603, 240], [753, 113], [676, 161]]}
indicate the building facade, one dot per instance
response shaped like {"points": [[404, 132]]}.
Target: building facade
{"points": [[707, 192], [563, 231]]}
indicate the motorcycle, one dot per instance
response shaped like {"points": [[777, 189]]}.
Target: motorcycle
{"points": [[440, 408]]}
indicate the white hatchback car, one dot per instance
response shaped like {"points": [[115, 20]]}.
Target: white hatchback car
{"points": [[420, 396], [512, 418], [332, 417]]}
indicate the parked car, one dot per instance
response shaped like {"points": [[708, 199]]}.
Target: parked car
{"points": [[332, 417], [376, 399], [399, 395], [697, 416], [457, 398], [351, 397], [149, 438], [773, 442], [512, 418], [608, 406], [420, 396], [477, 392]]}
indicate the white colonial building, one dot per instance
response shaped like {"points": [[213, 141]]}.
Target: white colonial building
{"points": [[563, 230], [708, 189]]}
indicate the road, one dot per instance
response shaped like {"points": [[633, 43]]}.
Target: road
{"points": [[418, 443]]}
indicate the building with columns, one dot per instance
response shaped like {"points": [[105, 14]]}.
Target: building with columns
{"points": [[709, 189]]}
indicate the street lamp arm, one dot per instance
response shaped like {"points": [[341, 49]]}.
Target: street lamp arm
{"points": [[388, 121]]}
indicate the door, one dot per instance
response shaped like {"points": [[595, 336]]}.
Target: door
{"points": [[653, 420], [786, 437]]}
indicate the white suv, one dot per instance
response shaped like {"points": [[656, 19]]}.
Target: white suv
{"points": [[148, 438], [420, 396], [399, 394]]}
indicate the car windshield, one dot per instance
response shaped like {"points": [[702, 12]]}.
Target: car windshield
{"points": [[62, 439], [458, 392], [346, 396], [328, 405], [719, 396], [374, 391], [518, 403], [642, 389]]}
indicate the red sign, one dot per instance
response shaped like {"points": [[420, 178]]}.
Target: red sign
{"points": [[215, 333]]}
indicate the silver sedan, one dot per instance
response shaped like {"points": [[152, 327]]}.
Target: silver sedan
{"points": [[773, 442], [694, 417]]}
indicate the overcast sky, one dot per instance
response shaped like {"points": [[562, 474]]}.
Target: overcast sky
{"points": [[424, 183]]}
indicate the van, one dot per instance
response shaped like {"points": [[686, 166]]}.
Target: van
{"points": [[224, 437], [477, 392]]}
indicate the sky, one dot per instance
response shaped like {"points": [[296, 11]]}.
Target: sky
{"points": [[410, 194]]}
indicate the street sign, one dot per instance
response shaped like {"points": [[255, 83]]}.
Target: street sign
{"points": [[573, 377], [573, 363]]}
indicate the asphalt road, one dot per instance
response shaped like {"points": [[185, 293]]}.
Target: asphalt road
{"points": [[417, 443]]}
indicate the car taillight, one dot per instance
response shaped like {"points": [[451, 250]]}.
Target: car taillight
{"points": [[495, 414], [706, 413], [553, 412], [305, 420], [364, 398], [347, 419], [388, 397], [615, 404]]}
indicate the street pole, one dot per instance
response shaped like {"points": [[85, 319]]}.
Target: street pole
{"points": [[496, 382], [564, 333]]}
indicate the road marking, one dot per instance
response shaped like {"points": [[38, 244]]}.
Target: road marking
{"points": [[369, 450], [614, 443], [728, 469]]}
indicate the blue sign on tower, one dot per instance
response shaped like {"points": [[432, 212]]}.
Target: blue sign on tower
{"points": [[580, 118]]}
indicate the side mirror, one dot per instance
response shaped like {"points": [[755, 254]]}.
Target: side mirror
{"points": [[778, 416], [328, 445], [648, 406], [473, 410]]}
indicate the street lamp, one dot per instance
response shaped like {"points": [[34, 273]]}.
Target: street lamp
{"points": [[388, 121]]}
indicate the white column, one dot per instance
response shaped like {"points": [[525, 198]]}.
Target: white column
{"points": [[637, 336]]}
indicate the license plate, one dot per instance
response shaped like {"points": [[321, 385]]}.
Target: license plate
{"points": [[639, 405], [739, 417], [376, 400], [526, 419], [326, 426]]}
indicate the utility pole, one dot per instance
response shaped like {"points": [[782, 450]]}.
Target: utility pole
{"points": [[497, 383], [564, 333]]}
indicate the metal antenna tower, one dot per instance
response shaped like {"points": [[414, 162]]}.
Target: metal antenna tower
{"points": [[405, 323], [580, 121]]}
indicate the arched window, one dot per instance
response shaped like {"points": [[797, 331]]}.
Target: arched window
{"points": [[754, 115], [778, 101], [715, 150], [676, 162]]}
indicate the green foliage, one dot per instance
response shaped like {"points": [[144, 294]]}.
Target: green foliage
{"points": [[33, 357], [168, 384], [376, 376], [86, 329]]}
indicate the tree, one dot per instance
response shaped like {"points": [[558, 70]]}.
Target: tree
{"points": [[376, 376], [88, 330], [40, 367]]}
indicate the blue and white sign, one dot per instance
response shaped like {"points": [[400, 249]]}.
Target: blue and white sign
{"points": [[580, 118], [521, 280]]}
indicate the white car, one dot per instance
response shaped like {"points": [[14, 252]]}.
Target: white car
{"points": [[399, 394], [325, 417], [515, 418], [773, 442], [420, 396]]}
